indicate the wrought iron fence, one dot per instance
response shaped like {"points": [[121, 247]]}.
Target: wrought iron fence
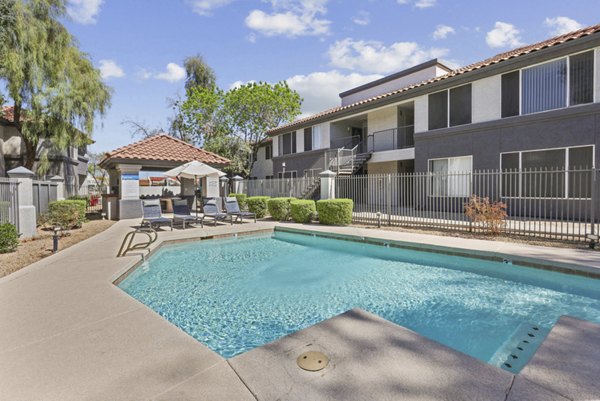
{"points": [[9, 202], [554, 204], [303, 187]]}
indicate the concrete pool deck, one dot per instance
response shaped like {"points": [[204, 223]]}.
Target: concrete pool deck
{"points": [[68, 333]]}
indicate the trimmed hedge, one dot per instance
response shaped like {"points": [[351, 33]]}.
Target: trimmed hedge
{"points": [[303, 211], [335, 211], [67, 213], [241, 200], [85, 198], [258, 205], [279, 208], [9, 238]]}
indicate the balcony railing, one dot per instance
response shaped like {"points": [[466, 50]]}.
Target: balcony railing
{"points": [[390, 139], [346, 142]]}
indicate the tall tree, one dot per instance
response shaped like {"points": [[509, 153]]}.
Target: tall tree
{"points": [[56, 91], [198, 73]]}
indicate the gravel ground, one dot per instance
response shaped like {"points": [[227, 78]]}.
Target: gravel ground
{"points": [[32, 250]]}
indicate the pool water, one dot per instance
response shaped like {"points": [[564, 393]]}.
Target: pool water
{"points": [[237, 294]]}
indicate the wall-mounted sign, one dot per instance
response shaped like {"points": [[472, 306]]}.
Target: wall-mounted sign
{"points": [[130, 186]]}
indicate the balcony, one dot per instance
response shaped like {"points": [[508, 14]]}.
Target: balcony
{"points": [[392, 139]]}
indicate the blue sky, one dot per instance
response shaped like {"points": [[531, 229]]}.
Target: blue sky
{"points": [[321, 47]]}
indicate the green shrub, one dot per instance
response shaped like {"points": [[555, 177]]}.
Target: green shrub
{"points": [[9, 238], [335, 211], [241, 200], [85, 198], [67, 213], [258, 205], [279, 208], [303, 211]]}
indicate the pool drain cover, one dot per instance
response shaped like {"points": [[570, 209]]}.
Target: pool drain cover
{"points": [[312, 361]]}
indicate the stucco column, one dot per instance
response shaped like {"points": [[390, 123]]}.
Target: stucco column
{"points": [[60, 186], [237, 184], [224, 181], [27, 212], [130, 205], [327, 184]]}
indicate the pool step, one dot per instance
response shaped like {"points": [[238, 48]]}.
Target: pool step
{"points": [[520, 347]]}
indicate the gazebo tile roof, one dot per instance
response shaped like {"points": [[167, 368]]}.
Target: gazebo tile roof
{"points": [[163, 147]]}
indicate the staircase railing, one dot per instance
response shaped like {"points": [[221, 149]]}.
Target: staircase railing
{"points": [[127, 244]]}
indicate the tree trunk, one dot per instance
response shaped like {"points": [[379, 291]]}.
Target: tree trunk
{"points": [[30, 154]]}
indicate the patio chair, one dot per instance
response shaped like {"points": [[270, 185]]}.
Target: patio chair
{"points": [[181, 212], [152, 215], [233, 209], [211, 211]]}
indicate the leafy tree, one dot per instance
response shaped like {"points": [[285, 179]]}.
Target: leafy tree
{"points": [[99, 174], [198, 73], [55, 89], [254, 108], [140, 128]]}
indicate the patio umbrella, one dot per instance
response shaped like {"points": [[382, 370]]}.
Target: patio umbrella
{"points": [[195, 170]]}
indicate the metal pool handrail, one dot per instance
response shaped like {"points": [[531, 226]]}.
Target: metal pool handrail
{"points": [[149, 231]]}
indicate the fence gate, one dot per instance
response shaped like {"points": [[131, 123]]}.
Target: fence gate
{"points": [[44, 192], [9, 202]]}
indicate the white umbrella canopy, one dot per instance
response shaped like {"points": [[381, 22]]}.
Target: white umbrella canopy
{"points": [[194, 169]]}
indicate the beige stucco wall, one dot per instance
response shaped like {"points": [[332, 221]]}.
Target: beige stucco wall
{"points": [[381, 120], [486, 99], [421, 113], [597, 77], [262, 167], [383, 168]]}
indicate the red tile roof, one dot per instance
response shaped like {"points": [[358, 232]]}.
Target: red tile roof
{"points": [[8, 114], [165, 148], [469, 68]]}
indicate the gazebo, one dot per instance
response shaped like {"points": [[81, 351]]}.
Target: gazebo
{"points": [[156, 153]]}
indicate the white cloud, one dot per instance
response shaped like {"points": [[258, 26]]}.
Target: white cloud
{"points": [[425, 3], [84, 11], [291, 18], [375, 57], [503, 35], [402, 1], [362, 18], [143, 74], [442, 32], [320, 89], [110, 69], [205, 7], [173, 73], [562, 25]]}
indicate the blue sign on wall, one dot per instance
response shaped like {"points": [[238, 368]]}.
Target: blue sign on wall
{"points": [[130, 177]]}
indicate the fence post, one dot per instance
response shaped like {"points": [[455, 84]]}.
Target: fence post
{"points": [[389, 199], [237, 184], [224, 181], [594, 202], [27, 212], [327, 184], [60, 187]]}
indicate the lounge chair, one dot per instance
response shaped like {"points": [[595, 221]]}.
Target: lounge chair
{"points": [[233, 209], [181, 212], [152, 215], [211, 211]]}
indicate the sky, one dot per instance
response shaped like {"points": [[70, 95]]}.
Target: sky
{"points": [[320, 47]]}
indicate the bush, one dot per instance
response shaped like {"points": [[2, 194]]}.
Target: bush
{"points": [[258, 205], [9, 238], [81, 198], [67, 213], [303, 211], [335, 211], [279, 208], [241, 200], [490, 214]]}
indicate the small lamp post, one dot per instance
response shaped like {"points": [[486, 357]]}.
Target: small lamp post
{"points": [[55, 237]]}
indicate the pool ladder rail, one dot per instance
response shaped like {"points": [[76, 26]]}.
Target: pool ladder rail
{"points": [[128, 245]]}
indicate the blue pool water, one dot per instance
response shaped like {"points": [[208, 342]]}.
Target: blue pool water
{"points": [[237, 294]]}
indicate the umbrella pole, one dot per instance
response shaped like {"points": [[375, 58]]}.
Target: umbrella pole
{"points": [[196, 194]]}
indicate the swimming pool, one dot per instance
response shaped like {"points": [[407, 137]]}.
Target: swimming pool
{"points": [[237, 294]]}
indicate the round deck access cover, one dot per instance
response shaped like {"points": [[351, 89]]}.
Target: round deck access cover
{"points": [[312, 361]]}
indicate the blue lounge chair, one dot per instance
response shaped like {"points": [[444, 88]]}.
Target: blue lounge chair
{"points": [[181, 212], [152, 215], [233, 209], [211, 211]]}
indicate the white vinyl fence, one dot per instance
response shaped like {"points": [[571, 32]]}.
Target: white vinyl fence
{"points": [[9, 202]]}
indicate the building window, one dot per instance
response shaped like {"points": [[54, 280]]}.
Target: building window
{"points": [[551, 173], [545, 86], [581, 78], [451, 176], [287, 143], [268, 151], [438, 110], [510, 94], [308, 139], [460, 105], [316, 137]]}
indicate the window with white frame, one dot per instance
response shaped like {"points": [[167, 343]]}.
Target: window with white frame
{"points": [[450, 108], [451, 176], [287, 143], [548, 173]]}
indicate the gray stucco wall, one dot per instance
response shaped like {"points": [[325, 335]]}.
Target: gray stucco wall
{"points": [[574, 126], [299, 162]]}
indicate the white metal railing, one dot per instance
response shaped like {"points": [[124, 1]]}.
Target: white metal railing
{"points": [[281, 187], [553, 204], [390, 139]]}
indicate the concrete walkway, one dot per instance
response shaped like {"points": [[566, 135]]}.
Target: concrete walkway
{"points": [[67, 333]]}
